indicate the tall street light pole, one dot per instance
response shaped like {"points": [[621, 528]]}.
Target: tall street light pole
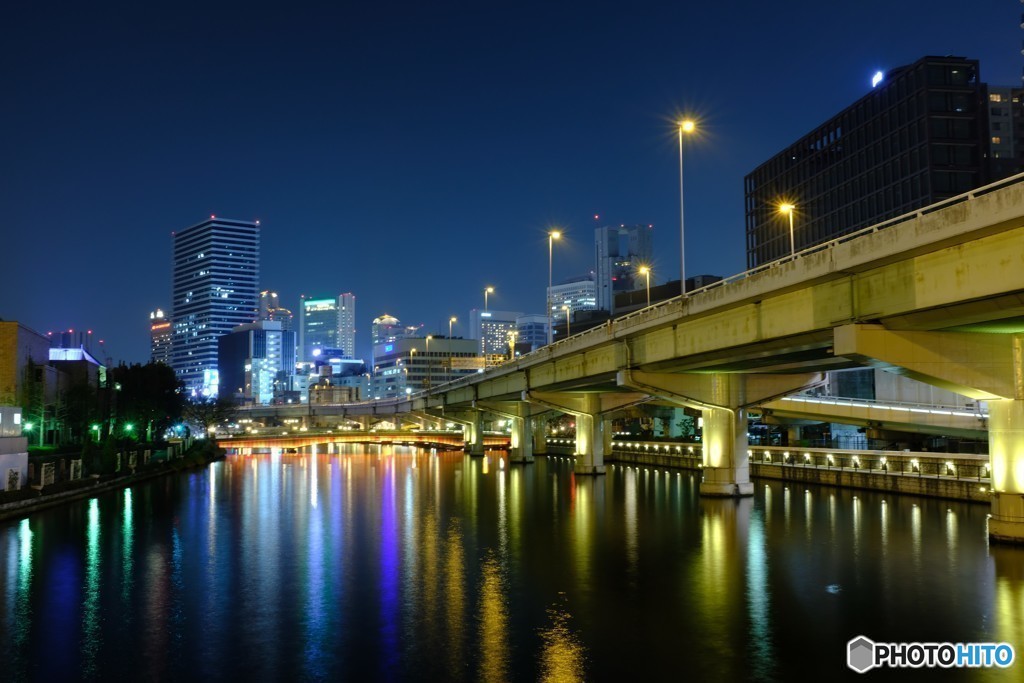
{"points": [[488, 290], [646, 272], [429, 363], [685, 126], [409, 374], [448, 374], [788, 210], [568, 332], [552, 236]]}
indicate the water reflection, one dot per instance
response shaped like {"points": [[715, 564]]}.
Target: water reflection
{"points": [[351, 566], [563, 656], [455, 596], [92, 636], [493, 631]]}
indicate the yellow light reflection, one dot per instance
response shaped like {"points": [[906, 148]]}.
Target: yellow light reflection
{"points": [[563, 656], [493, 633], [456, 593]]}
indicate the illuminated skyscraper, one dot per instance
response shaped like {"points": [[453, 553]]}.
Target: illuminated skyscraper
{"points": [[492, 329], [215, 289], [270, 309], [159, 337], [347, 324]]}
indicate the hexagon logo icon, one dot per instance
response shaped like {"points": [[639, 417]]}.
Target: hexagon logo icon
{"points": [[860, 654]]}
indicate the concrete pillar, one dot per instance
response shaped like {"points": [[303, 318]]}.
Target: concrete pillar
{"points": [[591, 430], [1006, 454], [521, 441], [540, 436], [475, 434], [726, 468], [364, 421], [792, 435]]}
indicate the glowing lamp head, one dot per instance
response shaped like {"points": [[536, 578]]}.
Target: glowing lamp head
{"points": [[687, 125], [786, 208], [453, 319], [877, 78], [554, 234], [489, 290], [644, 270]]}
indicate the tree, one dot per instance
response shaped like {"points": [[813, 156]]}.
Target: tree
{"points": [[208, 414], [149, 396]]}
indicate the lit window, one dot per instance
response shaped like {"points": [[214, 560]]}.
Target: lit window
{"points": [[997, 141], [994, 97]]}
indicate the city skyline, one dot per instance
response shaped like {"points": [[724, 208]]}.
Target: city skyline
{"points": [[427, 179]]}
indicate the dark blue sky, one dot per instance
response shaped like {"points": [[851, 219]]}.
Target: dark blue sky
{"points": [[413, 153]]}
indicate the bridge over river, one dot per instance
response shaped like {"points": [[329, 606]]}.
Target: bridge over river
{"points": [[936, 295]]}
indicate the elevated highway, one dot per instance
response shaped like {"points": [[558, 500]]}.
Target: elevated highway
{"points": [[937, 295]]}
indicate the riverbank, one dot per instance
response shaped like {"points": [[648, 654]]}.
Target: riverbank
{"points": [[32, 500]]}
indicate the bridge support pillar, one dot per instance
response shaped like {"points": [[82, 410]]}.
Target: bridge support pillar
{"points": [[726, 468], [723, 398], [539, 431], [593, 421], [475, 434], [590, 437], [1006, 453], [521, 442]]}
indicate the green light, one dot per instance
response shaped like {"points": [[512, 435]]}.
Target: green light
{"points": [[28, 426], [128, 427], [95, 428]]}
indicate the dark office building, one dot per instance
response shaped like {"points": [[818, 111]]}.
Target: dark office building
{"points": [[920, 136]]}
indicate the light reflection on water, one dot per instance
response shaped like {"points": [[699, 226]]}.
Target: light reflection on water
{"points": [[412, 565]]}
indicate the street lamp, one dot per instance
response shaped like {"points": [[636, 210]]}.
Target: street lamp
{"points": [[512, 344], [568, 333], [488, 290], [448, 372], [646, 272], [552, 236], [429, 337], [685, 126], [787, 209]]}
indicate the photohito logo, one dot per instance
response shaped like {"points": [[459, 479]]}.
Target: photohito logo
{"points": [[863, 654]]}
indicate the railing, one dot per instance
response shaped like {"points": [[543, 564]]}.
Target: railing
{"points": [[904, 463], [904, 406]]}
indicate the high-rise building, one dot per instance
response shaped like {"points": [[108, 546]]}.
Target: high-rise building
{"points": [[328, 324], [620, 252], [1005, 131], [215, 289], [159, 337], [575, 294], [531, 331], [270, 309], [255, 361], [916, 138], [387, 329], [347, 324], [493, 330], [318, 327]]}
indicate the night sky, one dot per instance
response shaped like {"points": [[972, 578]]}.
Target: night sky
{"points": [[413, 153]]}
